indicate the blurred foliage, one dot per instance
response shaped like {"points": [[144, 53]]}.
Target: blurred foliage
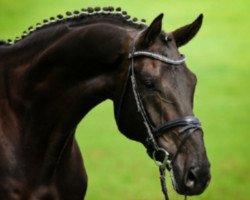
{"points": [[119, 168]]}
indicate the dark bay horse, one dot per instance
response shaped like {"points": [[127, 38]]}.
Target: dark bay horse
{"points": [[55, 73]]}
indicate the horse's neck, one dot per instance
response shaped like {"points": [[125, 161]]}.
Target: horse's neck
{"points": [[49, 95], [80, 55]]}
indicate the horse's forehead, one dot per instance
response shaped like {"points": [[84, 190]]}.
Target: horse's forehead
{"points": [[165, 48], [150, 67]]}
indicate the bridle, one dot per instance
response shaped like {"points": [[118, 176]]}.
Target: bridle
{"points": [[188, 124]]}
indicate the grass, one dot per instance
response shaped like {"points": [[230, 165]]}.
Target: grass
{"points": [[119, 168]]}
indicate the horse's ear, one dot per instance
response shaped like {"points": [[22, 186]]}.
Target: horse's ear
{"points": [[150, 34], [184, 34]]}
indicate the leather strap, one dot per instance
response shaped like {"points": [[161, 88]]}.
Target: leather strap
{"points": [[187, 122]]}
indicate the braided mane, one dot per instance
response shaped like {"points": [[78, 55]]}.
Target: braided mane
{"points": [[78, 17]]}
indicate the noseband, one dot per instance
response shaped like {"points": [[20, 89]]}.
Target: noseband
{"points": [[186, 125]]}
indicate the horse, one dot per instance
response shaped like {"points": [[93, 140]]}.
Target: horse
{"points": [[57, 71]]}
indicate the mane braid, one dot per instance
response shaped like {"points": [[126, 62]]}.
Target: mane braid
{"points": [[78, 16]]}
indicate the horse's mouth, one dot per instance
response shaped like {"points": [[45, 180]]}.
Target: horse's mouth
{"points": [[190, 185]]}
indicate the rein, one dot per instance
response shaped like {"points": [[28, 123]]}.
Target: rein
{"points": [[188, 123]]}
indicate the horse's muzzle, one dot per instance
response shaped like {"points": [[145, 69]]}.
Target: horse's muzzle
{"points": [[193, 181], [196, 180]]}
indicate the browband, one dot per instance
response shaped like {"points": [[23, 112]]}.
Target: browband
{"points": [[157, 57]]}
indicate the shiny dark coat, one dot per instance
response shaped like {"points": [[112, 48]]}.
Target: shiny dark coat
{"points": [[51, 78]]}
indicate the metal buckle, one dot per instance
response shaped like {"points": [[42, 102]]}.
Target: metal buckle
{"points": [[166, 163]]}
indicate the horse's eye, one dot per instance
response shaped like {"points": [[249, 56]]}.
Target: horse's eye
{"points": [[149, 84]]}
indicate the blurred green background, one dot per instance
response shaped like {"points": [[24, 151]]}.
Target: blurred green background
{"points": [[119, 168]]}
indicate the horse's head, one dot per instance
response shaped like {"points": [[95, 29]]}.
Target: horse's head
{"points": [[159, 102]]}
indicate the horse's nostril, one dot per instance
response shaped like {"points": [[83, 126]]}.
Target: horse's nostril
{"points": [[190, 179], [196, 180]]}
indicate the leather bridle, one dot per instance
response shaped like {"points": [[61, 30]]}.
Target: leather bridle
{"points": [[187, 124]]}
